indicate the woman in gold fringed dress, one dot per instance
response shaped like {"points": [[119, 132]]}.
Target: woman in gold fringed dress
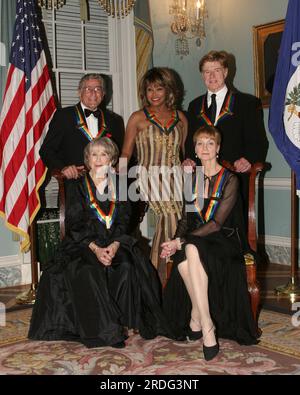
{"points": [[159, 132]]}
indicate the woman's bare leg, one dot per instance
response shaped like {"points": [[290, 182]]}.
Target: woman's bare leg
{"points": [[195, 323], [199, 289]]}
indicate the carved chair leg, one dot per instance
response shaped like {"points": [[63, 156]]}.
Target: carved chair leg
{"points": [[255, 302], [254, 291]]}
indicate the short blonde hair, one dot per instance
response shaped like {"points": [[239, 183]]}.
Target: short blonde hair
{"points": [[109, 146], [210, 131], [164, 77], [214, 56]]}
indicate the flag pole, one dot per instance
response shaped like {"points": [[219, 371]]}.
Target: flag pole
{"points": [[28, 297], [292, 288]]}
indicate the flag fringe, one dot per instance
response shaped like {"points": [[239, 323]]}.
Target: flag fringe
{"points": [[25, 243]]}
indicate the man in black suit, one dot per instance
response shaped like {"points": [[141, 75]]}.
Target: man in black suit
{"points": [[238, 116], [72, 128]]}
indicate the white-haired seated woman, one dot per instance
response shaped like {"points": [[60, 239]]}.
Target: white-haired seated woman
{"points": [[99, 283]]}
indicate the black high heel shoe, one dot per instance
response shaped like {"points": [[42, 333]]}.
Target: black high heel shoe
{"points": [[119, 345], [193, 335], [212, 351]]}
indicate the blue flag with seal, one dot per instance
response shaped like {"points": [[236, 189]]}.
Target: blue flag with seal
{"points": [[284, 116]]}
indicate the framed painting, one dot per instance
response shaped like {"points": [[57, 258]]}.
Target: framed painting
{"points": [[266, 44]]}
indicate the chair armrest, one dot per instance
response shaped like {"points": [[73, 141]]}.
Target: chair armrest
{"points": [[254, 170]]}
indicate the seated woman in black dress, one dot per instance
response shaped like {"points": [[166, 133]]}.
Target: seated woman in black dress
{"points": [[99, 283], [207, 290]]}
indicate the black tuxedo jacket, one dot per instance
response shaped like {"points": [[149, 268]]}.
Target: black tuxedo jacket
{"points": [[240, 123], [66, 140]]}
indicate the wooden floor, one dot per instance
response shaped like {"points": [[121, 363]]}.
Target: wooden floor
{"points": [[270, 276]]}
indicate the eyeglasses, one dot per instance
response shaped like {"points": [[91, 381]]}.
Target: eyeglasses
{"points": [[89, 89]]}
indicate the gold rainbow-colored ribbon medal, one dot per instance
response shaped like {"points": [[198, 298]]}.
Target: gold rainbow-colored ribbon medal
{"points": [[106, 219], [82, 126], [214, 199], [167, 128], [227, 109]]}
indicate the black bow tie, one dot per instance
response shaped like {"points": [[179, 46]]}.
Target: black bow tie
{"points": [[88, 112]]}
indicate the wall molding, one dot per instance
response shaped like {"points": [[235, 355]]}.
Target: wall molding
{"points": [[278, 241], [278, 249], [10, 260], [19, 262], [279, 183]]}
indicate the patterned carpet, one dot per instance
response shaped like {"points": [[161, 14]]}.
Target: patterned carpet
{"points": [[277, 353]]}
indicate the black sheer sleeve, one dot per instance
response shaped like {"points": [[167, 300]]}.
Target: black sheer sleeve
{"points": [[227, 202], [182, 225]]}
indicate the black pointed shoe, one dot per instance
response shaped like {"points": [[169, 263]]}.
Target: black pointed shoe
{"points": [[210, 352], [119, 345], [192, 336]]}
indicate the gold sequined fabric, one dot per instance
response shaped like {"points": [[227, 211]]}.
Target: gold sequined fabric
{"points": [[160, 183]]}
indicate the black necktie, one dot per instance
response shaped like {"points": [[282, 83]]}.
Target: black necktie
{"points": [[88, 112], [213, 108]]}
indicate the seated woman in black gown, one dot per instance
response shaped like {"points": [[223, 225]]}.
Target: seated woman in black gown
{"points": [[99, 283], [207, 290]]}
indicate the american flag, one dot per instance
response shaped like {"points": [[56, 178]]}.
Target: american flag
{"points": [[28, 107]]}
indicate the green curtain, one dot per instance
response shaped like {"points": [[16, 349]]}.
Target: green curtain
{"points": [[47, 235], [7, 20]]}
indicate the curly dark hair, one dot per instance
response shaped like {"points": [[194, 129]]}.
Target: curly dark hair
{"points": [[162, 76]]}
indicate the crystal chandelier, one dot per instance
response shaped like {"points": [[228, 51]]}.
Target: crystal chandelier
{"points": [[117, 8], [188, 23], [49, 4]]}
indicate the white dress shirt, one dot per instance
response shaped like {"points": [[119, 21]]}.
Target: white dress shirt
{"points": [[92, 122], [220, 96]]}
